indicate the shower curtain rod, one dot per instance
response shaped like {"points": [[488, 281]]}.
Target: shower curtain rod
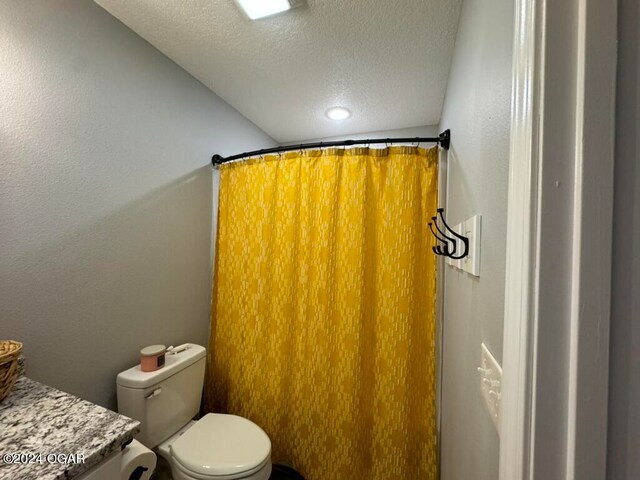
{"points": [[444, 140]]}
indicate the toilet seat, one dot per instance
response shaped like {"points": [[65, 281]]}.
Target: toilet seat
{"points": [[260, 473], [222, 447]]}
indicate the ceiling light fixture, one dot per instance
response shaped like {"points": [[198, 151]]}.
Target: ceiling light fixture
{"points": [[338, 113], [256, 9]]}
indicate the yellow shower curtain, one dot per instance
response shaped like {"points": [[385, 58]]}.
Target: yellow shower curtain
{"points": [[323, 318]]}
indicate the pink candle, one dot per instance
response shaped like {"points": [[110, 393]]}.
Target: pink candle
{"points": [[152, 358]]}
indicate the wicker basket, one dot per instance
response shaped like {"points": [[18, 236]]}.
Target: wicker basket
{"points": [[9, 353]]}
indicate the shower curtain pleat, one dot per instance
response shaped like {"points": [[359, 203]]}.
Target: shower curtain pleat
{"points": [[323, 318]]}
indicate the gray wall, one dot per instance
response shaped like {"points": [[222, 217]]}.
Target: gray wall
{"points": [[624, 400], [105, 193], [477, 110]]}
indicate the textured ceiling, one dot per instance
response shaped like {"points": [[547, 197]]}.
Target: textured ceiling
{"points": [[387, 61]]}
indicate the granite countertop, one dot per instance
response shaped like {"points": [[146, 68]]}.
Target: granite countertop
{"points": [[37, 419]]}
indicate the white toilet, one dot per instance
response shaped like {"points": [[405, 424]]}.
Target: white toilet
{"points": [[216, 447]]}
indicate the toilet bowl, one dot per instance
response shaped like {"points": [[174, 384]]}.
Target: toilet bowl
{"points": [[218, 447], [165, 401]]}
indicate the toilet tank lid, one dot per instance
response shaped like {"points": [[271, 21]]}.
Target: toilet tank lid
{"points": [[134, 377]]}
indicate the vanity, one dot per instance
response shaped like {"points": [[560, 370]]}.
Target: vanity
{"points": [[48, 434]]}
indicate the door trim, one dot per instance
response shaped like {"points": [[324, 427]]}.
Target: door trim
{"points": [[560, 216]]}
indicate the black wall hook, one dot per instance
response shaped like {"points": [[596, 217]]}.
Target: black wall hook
{"points": [[448, 240]]}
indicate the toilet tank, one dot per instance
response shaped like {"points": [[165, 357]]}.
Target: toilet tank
{"points": [[165, 400]]}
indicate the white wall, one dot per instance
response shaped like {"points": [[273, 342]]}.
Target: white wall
{"points": [[422, 131], [105, 193], [624, 400], [477, 110]]}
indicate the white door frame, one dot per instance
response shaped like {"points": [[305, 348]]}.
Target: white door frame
{"points": [[560, 216]]}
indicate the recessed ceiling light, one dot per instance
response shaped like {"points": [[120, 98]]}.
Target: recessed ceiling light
{"points": [[263, 8], [338, 113]]}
